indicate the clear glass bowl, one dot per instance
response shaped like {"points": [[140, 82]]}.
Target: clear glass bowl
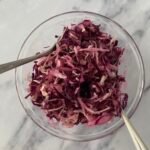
{"points": [[132, 67]]}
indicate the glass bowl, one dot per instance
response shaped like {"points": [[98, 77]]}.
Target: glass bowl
{"points": [[131, 66]]}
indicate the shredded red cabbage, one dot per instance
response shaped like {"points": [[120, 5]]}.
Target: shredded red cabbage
{"points": [[79, 82]]}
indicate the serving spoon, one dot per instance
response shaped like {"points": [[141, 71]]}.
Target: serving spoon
{"points": [[14, 64], [138, 142]]}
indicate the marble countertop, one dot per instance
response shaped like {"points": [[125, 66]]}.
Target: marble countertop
{"points": [[17, 19]]}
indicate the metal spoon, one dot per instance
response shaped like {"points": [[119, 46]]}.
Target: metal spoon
{"points": [[14, 64], [137, 140]]}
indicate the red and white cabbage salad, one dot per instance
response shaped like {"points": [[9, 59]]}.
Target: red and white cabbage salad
{"points": [[78, 82]]}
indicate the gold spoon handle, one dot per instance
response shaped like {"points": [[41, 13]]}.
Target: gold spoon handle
{"points": [[139, 144]]}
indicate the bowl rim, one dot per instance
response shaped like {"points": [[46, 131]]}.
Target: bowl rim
{"points": [[121, 120]]}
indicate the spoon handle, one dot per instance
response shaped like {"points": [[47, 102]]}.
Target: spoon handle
{"points": [[140, 145], [11, 65]]}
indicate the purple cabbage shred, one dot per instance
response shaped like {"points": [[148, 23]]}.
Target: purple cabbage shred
{"points": [[78, 82]]}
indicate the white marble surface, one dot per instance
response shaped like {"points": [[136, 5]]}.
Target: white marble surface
{"points": [[17, 19]]}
